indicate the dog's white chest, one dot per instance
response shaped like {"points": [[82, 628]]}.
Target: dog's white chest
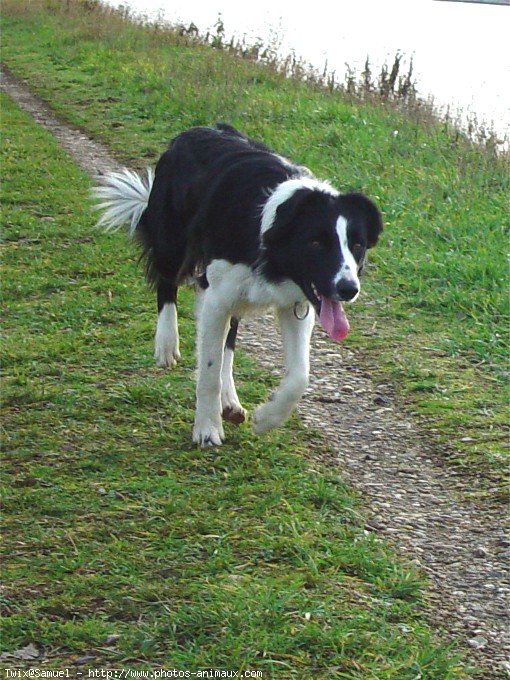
{"points": [[247, 292]]}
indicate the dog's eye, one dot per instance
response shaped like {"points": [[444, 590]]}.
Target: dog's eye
{"points": [[357, 250], [321, 240]]}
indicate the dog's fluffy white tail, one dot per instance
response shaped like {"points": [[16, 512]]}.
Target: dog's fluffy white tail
{"points": [[122, 197]]}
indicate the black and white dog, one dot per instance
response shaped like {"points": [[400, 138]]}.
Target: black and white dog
{"points": [[254, 231]]}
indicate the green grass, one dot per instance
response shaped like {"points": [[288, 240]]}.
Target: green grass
{"points": [[433, 317], [251, 556]]}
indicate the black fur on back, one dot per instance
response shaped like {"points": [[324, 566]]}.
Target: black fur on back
{"points": [[208, 192]]}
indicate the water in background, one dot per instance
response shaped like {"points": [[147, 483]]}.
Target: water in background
{"points": [[460, 50]]}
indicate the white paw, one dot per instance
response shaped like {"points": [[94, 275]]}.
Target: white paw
{"points": [[266, 417], [208, 433], [166, 342], [166, 354]]}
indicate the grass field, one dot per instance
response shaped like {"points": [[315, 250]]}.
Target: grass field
{"points": [[123, 542], [433, 317]]}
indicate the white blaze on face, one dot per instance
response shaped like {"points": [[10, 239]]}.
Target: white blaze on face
{"points": [[349, 269]]}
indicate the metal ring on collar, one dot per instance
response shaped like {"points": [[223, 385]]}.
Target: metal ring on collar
{"points": [[296, 308]]}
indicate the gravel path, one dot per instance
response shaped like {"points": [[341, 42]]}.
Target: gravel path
{"points": [[412, 499]]}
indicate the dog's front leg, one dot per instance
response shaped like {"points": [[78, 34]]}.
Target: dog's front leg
{"points": [[296, 335], [212, 323]]}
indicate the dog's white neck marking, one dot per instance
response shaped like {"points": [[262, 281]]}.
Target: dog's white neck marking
{"points": [[284, 192]]}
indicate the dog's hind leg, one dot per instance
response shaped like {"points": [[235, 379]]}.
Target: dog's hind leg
{"points": [[166, 342], [167, 250], [296, 333], [162, 236], [230, 405]]}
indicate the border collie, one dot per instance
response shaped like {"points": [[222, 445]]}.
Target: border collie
{"points": [[253, 231]]}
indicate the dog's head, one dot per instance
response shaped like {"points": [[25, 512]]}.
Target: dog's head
{"points": [[318, 238]]}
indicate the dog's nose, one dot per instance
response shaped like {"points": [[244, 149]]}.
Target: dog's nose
{"points": [[347, 290]]}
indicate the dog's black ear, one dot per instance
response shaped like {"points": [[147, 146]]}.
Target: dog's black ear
{"points": [[285, 214], [357, 206]]}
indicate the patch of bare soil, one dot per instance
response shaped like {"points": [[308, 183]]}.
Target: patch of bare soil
{"points": [[412, 499]]}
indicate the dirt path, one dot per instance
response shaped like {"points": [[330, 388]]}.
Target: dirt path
{"points": [[412, 499]]}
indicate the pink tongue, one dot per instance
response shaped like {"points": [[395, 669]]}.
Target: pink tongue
{"points": [[333, 319]]}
